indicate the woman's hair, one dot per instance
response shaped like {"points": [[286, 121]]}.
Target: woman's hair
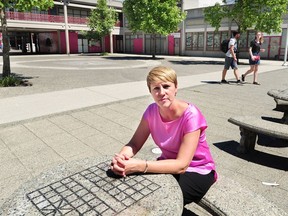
{"points": [[161, 73], [261, 39]]}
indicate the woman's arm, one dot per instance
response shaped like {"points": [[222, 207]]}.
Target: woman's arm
{"points": [[172, 166], [138, 139], [184, 157], [250, 53], [131, 148]]}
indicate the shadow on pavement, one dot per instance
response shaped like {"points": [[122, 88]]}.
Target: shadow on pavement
{"points": [[211, 82], [272, 142], [184, 62], [132, 58], [271, 119], [22, 77], [261, 158]]}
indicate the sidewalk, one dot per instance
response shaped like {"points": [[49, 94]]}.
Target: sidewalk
{"points": [[23, 107], [42, 130]]}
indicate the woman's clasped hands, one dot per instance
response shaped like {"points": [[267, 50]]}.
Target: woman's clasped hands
{"points": [[123, 165], [118, 164]]}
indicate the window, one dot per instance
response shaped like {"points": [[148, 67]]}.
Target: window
{"points": [[245, 39], [210, 41], [74, 12], [251, 36], [188, 41], [84, 14], [224, 35], [195, 41], [214, 40]]}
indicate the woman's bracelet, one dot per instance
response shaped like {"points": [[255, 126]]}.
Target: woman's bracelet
{"points": [[146, 167]]}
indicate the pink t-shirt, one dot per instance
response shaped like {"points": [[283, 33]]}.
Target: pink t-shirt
{"points": [[168, 136]]}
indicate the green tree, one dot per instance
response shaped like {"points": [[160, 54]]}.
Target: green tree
{"points": [[20, 5], [153, 17], [262, 15], [101, 21]]}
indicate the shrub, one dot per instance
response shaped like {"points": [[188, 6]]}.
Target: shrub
{"points": [[9, 81], [104, 54]]}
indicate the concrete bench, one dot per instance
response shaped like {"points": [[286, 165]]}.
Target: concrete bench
{"points": [[280, 96], [250, 126], [281, 99], [228, 197]]}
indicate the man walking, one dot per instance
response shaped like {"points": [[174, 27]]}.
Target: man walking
{"points": [[231, 59]]}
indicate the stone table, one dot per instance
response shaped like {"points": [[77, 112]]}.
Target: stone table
{"points": [[281, 95], [88, 187]]}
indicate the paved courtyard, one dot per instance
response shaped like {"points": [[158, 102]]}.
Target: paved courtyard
{"points": [[29, 146]]}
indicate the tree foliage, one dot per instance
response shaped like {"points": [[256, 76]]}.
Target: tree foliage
{"points": [[20, 5], [26, 5], [262, 15], [153, 16], [101, 21]]}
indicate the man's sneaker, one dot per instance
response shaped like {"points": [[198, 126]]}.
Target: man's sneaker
{"points": [[243, 78], [224, 81]]}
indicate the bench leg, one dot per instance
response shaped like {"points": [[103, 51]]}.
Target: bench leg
{"points": [[247, 140], [285, 118]]}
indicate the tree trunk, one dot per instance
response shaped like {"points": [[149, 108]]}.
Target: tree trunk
{"points": [[101, 43], [238, 48], [6, 45]]}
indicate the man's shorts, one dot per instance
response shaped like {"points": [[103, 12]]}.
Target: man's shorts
{"points": [[230, 62]]}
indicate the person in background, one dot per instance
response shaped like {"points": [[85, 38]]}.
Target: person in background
{"points": [[178, 129], [254, 57], [231, 59]]}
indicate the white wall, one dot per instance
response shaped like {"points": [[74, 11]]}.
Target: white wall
{"points": [[193, 4]]}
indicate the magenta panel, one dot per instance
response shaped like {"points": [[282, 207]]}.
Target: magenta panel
{"points": [[107, 43], [73, 42], [171, 45], [138, 45]]}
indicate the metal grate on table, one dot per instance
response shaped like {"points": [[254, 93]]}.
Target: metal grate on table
{"points": [[93, 191]]}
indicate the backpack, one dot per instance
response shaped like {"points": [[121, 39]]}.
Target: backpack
{"points": [[224, 45]]}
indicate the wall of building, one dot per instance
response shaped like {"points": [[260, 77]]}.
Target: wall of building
{"points": [[202, 40], [199, 37], [48, 42]]}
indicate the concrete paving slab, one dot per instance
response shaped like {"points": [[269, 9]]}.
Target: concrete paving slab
{"points": [[14, 184], [34, 163], [67, 122], [12, 168], [85, 131], [6, 156], [71, 149], [27, 148], [43, 128]]}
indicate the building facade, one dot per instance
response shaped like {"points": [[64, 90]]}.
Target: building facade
{"points": [[58, 30], [202, 40]]}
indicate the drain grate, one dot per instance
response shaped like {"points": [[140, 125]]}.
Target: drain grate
{"points": [[93, 191]]}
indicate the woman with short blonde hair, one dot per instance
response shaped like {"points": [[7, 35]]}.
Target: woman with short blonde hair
{"points": [[178, 129]]}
